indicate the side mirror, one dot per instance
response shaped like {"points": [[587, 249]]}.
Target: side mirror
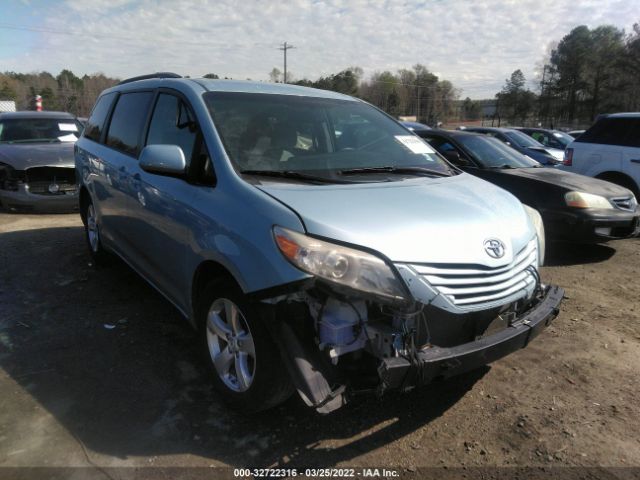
{"points": [[455, 158], [163, 160]]}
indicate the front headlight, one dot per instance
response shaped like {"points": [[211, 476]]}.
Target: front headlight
{"points": [[536, 219], [8, 178], [342, 265], [586, 200]]}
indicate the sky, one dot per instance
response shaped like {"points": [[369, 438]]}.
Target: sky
{"points": [[475, 44]]}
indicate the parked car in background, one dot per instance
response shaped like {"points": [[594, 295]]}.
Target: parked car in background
{"points": [[37, 171], [574, 208], [576, 133], [548, 138], [523, 143], [609, 150], [331, 263], [416, 126]]}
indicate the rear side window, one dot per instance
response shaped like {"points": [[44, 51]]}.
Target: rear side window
{"points": [[127, 121], [612, 131], [95, 124]]}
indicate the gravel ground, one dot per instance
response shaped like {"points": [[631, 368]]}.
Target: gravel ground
{"points": [[98, 370]]}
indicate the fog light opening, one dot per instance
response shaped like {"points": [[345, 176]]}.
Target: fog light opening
{"points": [[606, 231]]}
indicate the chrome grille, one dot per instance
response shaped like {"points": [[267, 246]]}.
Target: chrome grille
{"points": [[474, 285], [40, 179], [627, 203]]}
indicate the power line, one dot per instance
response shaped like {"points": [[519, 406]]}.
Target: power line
{"points": [[284, 48]]}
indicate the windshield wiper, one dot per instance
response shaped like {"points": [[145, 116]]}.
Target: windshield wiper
{"points": [[391, 169], [504, 166], [292, 174]]}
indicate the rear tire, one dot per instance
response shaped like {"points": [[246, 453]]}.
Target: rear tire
{"points": [[245, 364], [99, 255]]}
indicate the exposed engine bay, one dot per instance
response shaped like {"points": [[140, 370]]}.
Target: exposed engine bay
{"points": [[337, 345]]}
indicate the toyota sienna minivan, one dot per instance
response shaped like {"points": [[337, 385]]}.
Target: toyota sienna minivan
{"points": [[315, 243]]}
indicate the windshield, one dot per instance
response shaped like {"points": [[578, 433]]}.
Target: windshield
{"points": [[319, 136], [522, 139], [492, 153], [563, 138], [32, 130]]}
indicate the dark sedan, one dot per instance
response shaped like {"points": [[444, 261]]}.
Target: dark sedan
{"points": [[524, 144], [548, 138], [416, 126], [573, 207], [37, 171]]}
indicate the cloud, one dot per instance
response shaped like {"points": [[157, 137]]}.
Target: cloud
{"points": [[476, 45]]}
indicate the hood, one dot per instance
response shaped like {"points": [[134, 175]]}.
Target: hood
{"points": [[26, 155], [423, 220], [554, 152], [570, 181]]}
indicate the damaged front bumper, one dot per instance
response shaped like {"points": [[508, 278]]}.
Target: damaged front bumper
{"points": [[440, 363], [376, 358], [22, 200]]}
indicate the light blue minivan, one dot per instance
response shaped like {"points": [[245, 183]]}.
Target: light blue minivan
{"points": [[315, 243]]}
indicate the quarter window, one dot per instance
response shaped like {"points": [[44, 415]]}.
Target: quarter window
{"points": [[127, 121], [95, 124], [610, 131]]}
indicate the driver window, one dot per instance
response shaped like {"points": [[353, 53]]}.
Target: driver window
{"points": [[171, 125]]}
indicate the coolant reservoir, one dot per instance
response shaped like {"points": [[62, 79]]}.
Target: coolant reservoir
{"points": [[339, 320]]}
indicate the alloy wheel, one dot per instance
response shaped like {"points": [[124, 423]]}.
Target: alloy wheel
{"points": [[92, 229], [231, 345]]}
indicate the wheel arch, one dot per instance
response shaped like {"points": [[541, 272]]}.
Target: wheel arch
{"points": [[207, 271]]}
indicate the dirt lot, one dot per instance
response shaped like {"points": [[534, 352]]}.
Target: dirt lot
{"points": [[98, 370]]}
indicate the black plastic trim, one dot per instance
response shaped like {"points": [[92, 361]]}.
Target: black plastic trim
{"points": [[149, 76], [436, 362]]}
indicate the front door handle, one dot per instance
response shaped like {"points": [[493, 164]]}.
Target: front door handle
{"points": [[635, 160]]}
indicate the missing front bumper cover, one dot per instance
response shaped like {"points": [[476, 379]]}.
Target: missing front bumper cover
{"points": [[327, 386], [435, 362]]}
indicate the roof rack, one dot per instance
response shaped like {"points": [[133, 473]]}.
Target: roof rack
{"points": [[151, 75]]}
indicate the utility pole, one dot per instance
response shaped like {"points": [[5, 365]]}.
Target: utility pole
{"points": [[542, 92], [284, 48]]}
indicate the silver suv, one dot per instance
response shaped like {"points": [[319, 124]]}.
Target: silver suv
{"points": [[609, 150], [315, 243]]}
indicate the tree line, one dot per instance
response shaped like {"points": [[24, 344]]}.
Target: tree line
{"points": [[65, 92], [590, 72], [414, 92]]}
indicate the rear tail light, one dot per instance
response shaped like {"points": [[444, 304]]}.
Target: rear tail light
{"points": [[568, 157]]}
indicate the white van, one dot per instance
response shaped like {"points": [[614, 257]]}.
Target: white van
{"points": [[609, 150]]}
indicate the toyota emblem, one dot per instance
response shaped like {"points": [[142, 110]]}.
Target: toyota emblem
{"points": [[494, 248]]}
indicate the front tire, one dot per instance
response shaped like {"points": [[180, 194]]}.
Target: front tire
{"points": [[245, 364]]}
